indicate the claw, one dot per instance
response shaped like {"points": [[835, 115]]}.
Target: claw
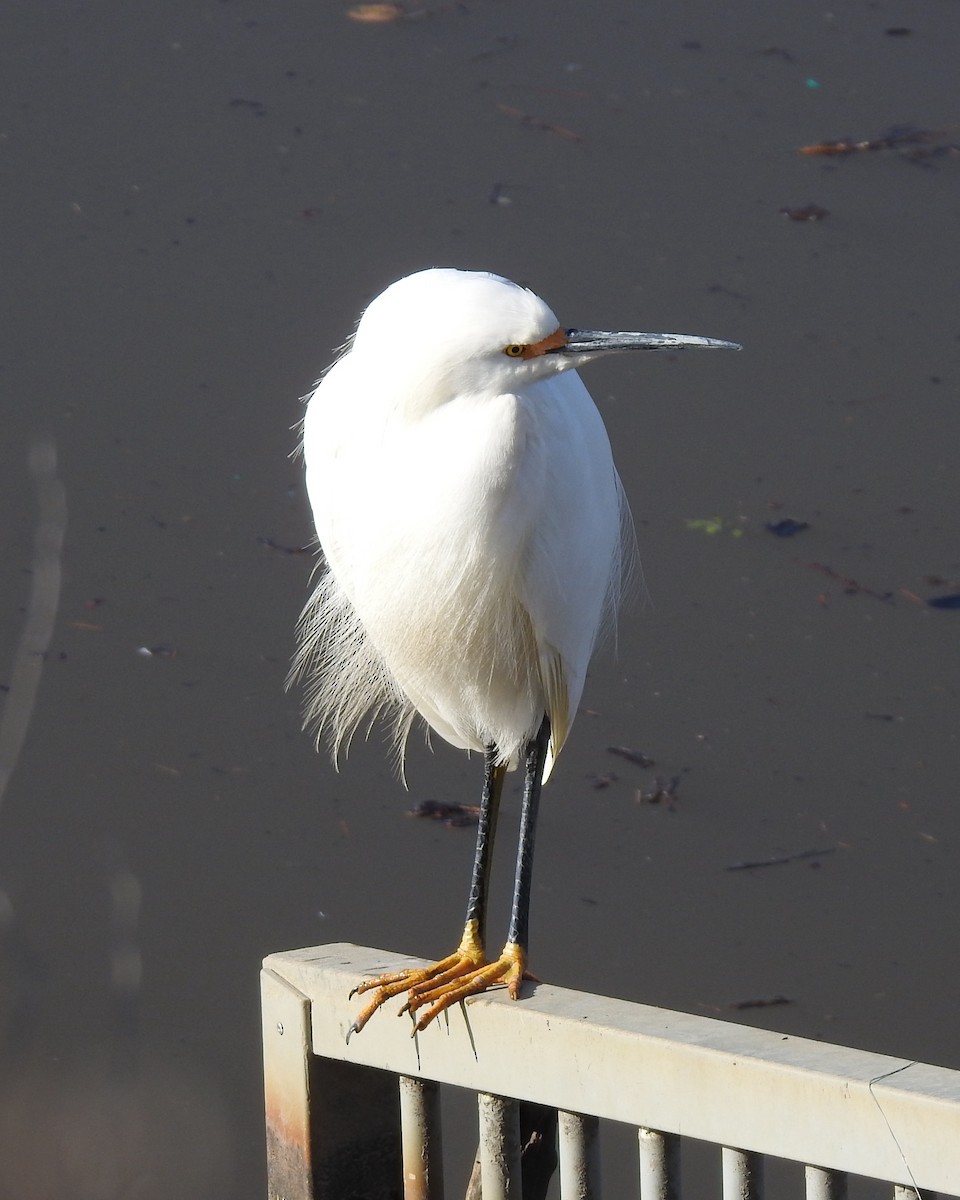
{"points": [[454, 978], [507, 969], [467, 959]]}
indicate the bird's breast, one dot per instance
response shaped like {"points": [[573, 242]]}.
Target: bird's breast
{"points": [[476, 544], [426, 529], [421, 501]]}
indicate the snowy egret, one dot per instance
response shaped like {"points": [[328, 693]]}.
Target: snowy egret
{"points": [[474, 530]]}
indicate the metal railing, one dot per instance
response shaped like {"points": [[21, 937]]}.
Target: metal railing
{"points": [[356, 1120]]}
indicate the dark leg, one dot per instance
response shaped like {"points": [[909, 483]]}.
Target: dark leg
{"points": [[493, 776], [437, 994], [520, 915], [470, 955]]}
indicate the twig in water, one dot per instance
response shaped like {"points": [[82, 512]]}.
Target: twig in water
{"points": [[750, 864]]}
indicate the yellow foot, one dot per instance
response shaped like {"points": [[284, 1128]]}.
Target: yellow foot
{"points": [[461, 974], [465, 960], [437, 994]]}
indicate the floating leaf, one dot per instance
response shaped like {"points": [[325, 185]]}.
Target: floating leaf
{"points": [[375, 14], [787, 527], [708, 525], [712, 525], [809, 212]]}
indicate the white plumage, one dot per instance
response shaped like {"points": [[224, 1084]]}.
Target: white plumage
{"points": [[470, 516]]}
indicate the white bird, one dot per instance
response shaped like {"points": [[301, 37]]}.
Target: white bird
{"points": [[475, 535]]}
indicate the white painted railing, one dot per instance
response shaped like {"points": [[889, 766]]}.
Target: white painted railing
{"points": [[361, 1119]]}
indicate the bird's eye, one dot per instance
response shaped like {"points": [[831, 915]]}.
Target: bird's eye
{"points": [[514, 350]]}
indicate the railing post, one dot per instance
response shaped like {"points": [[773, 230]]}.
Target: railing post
{"points": [[499, 1148], [659, 1165], [421, 1136], [825, 1185], [579, 1157], [742, 1175]]}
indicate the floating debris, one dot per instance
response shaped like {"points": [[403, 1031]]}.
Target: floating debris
{"points": [[538, 123], [600, 782], [634, 756], [454, 816], [849, 585], [663, 792], [809, 212], [892, 141], [713, 525], [779, 860], [159, 651], [257, 107], [375, 14], [777, 52], [951, 601], [786, 527]]}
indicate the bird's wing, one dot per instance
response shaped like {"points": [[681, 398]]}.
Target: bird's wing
{"points": [[553, 679], [569, 581]]}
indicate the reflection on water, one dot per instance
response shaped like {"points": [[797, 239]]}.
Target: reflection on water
{"points": [[114, 1118]]}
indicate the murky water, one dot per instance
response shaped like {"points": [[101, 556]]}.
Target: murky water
{"points": [[198, 201]]}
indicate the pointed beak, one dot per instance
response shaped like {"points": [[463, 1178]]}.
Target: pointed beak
{"points": [[596, 341]]}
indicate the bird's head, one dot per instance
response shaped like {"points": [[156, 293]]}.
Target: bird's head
{"points": [[445, 333]]}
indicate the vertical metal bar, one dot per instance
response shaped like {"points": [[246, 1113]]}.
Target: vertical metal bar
{"points": [[579, 1157], [421, 1137], [499, 1147], [742, 1175], [333, 1128], [286, 1077], [659, 1165], [825, 1185]]}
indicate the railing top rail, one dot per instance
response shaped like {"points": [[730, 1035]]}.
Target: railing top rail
{"points": [[795, 1098]]}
